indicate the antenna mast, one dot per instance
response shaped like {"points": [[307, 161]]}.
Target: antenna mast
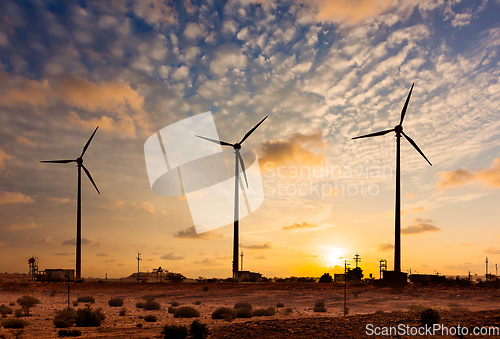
{"points": [[138, 272]]}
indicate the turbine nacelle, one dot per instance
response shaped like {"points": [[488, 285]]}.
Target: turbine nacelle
{"points": [[79, 161], [237, 146], [398, 129]]}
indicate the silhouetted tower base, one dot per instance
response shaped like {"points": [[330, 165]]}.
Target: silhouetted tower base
{"points": [[33, 264]]}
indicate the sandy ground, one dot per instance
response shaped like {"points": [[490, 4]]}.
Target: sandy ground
{"points": [[464, 306]]}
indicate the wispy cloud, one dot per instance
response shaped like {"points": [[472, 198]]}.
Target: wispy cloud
{"points": [[299, 226], [15, 198], [385, 247], [190, 233], [85, 241], [489, 177], [172, 256], [29, 225], [421, 226], [264, 246]]}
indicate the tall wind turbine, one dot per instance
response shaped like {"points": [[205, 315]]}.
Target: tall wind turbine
{"points": [[398, 129], [79, 164], [237, 160]]}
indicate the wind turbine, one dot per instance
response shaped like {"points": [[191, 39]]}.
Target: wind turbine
{"points": [[79, 164], [398, 129], [237, 160]]}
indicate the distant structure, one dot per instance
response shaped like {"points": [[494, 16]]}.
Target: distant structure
{"points": [[138, 271], [357, 258], [33, 265], [79, 162], [159, 271], [383, 267], [56, 275], [238, 159], [247, 276], [241, 261], [486, 267], [397, 275]]}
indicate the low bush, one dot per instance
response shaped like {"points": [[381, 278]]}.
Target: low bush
{"points": [[225, 313], [243, 313], [12, 303], [243, 305], [174, 303], [416, 308], [140, 317], [205, 288], [86, 299], [175, 331], [139, 325], [18, 313], [151, 305], [75, 303], [150, 318], [64, 318], [123, 312], [264, 312], [197, 302], [186, 312], [149, 297], [69, 333], [27, 302], [115, 302], [172, 309], [139, 304], [198, 330], [4, 310], [288, 310], [379, 312], [86, 317], [319, 306], [429, 317], [14, 323], [280, 305]]}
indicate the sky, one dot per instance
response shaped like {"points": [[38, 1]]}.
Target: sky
{"points": [[324, 71]]}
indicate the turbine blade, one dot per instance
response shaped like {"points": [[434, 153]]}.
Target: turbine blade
{"points": [[253, 129], [90, 177], [58, 161], [403, 112], [243, 168], [374, 134], [216, 141], [88, 142], [416, 147]]}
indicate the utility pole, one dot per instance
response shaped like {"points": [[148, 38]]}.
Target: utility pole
{"points": [[138, 259], [486, 268], [496, 270], [68, 289], [241, 260], [345, 287], [357, 258]]}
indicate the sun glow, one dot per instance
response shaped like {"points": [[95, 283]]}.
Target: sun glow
{"points": [[335, 256]]}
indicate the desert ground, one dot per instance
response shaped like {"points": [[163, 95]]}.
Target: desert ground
{"points": [[367, 305]]}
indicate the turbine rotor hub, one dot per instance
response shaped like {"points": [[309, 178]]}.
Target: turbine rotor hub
{"points": [[398, 129], [237, 146], [79, 161]]}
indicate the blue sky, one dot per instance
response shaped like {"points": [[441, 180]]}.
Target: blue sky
{"points": [[324, 71]]}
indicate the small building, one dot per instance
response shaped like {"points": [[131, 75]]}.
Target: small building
{"points": [[338, 277], [56, 274], [247, 276]]}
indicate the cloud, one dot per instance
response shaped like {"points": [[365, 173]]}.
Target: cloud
{"points": [[350, 12], [410, 196], [385, 247], [172, 256], [15, 198], [260, 257], [208, 262], [265, 246], [193, 30], [120, 205], [85, 241], [492, 250], [102, 255], [413, 210], [62, 253], [299, 226], [26, 141], [4, 157], [190, 233], [29, 225], [60, 200], [421, 226], [228, 57], [155, 12], [489, 177], [298, 149], [123, 103]]}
